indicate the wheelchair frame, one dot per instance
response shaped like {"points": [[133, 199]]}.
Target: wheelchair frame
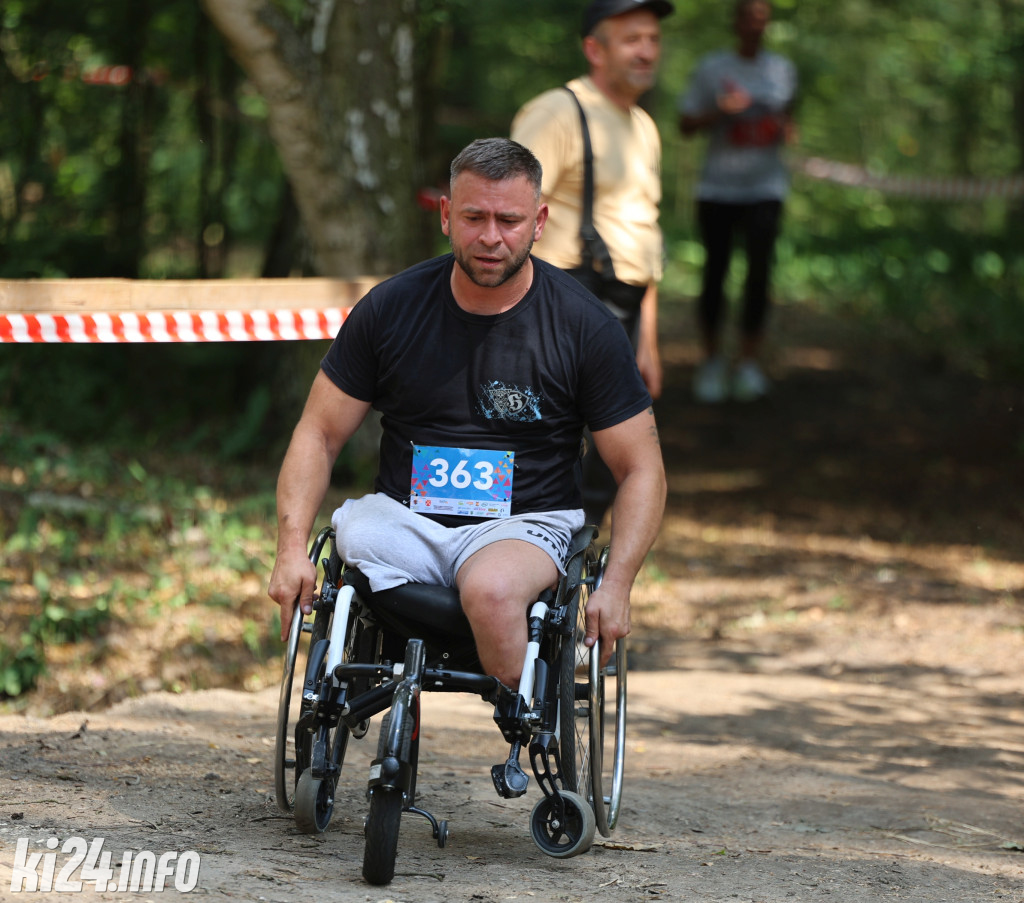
{"points": [[365, 659]]}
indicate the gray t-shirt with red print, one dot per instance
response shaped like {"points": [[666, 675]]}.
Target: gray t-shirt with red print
{"points": [[744, 162]]}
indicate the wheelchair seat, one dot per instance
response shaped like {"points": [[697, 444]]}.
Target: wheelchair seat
{"points": [[430, 613]]}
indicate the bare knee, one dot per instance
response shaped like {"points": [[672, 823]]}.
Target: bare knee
{"points": [[497, 585], [497, 615]]}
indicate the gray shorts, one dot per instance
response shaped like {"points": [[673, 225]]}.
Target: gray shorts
{"points": [[392, 545]]}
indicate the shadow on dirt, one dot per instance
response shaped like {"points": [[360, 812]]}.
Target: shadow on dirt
{"points": [[869, 479], [858, 437]]}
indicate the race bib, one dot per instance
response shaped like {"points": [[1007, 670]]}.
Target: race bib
{"points": [[471, 482]]}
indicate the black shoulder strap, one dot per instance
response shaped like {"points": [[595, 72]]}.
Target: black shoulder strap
{"points": [[594, 248]]}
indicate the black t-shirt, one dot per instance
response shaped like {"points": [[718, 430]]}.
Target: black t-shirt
{"points": [[526, 380]]}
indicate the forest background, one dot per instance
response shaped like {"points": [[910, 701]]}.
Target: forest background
{"points": [[239, 138]]}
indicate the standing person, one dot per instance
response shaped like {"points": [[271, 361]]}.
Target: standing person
{"points": [[622, 46], [486, 364], [744, 98]]}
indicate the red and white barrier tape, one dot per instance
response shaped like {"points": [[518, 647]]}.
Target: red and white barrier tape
{"points": [[951, 189], [174, 326]]}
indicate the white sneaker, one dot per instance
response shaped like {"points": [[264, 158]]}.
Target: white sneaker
{"points": [[710, 382], [749, 382]]}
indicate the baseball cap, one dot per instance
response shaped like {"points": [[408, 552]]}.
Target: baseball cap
{"points": [[605, 9]]}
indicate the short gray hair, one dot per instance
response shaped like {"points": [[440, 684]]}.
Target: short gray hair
{"points": [[498, 160]]}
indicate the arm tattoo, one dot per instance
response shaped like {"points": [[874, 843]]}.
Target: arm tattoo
{"points": [[654, 428]]}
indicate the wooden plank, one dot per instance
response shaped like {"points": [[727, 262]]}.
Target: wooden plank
{"points": [[50, 295], [31, 296]]}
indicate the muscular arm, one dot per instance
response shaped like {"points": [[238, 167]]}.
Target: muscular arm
{"points": [[328, 420], [633, 454]]}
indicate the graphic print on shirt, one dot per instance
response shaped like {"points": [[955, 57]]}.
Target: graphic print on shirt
{"points": [[498, 401]]}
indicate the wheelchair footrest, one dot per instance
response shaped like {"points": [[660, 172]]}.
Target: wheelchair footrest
{"points": [[509, 780]]}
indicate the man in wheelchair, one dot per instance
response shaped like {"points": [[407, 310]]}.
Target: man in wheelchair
{"points": [[485, 364]]}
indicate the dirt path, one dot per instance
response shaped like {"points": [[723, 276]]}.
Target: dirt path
{"points": [[740, 787], [825, 701]]}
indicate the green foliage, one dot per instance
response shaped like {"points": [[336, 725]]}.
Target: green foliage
{"points": [[103, 179], [958, 289], [20, 667], [91, 535], [212, 398], [102, 172], [920, 90], [56, 622]]}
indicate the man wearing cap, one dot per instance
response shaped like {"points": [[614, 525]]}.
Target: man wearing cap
{"points": [[622, 45]]}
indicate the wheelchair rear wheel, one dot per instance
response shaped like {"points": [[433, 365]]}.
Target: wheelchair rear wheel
{"points": [[574, 689], [311, 741], [592, 746], [287, 764], [295, 742]]}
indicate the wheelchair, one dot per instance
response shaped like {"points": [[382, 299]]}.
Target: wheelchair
{"points": [[372, 654]]}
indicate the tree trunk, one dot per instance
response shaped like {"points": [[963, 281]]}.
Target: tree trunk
{"points": [[342, 106], [218, 137], [129, 179]]}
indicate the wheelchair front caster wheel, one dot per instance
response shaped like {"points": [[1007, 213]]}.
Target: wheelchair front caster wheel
{"points": [[381, 831], [314, 803], [563, 837]]}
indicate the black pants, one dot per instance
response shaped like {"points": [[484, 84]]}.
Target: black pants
{"points": [[759, 223]]}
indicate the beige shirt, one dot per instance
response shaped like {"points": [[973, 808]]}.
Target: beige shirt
{"points": [[627, 178]]}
